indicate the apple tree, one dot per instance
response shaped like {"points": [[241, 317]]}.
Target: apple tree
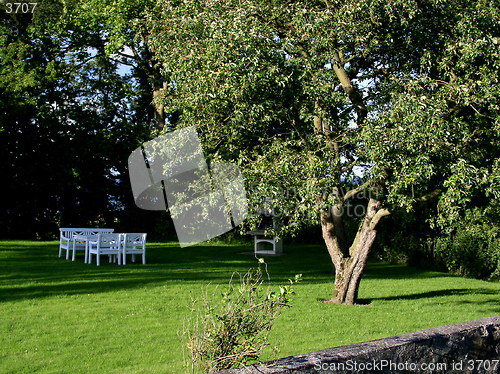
{"points": [[319, 101]]}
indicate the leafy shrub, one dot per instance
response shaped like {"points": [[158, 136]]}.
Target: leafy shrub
{"points": [[473, 249], [221, 333], [469, 256], [232, 237], [405, 239]]}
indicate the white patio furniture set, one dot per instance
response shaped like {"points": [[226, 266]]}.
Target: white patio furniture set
{"points": [[103, 242]]}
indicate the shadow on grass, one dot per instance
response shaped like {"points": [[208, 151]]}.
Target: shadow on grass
{"points": [[383, 270], [33, 269], [440, 293], [431, 295]]}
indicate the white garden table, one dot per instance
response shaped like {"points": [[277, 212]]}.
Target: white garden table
{"points": [[67, 241]]}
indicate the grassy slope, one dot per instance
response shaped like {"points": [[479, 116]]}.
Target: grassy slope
{"points": [[59, 316]]}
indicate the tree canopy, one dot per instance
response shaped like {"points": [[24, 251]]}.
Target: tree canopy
{"points": [[299, 93]]}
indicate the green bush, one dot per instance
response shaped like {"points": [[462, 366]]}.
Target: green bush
{"points": [[406, 238], [473, 248], [470, 248], [468, 255], [232, 330], [232, 237]]}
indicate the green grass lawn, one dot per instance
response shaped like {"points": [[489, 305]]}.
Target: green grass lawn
{"points": [[59, 316]]}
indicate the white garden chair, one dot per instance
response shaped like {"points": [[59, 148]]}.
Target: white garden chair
{"points": [[260, 239], [134, 244], [106, 244]]}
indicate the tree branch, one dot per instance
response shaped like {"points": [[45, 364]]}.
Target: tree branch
{"points": [[295, 122], [351, 193], [381, 213], [351, 58], [304, 52], [352, 92], [121, 62], [126, 56], [349, 167], [429, 196], [146, 67]]}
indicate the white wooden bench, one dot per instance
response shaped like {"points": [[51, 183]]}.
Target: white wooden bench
{"points": [[259, 241], [70, 244], [260, 237]]}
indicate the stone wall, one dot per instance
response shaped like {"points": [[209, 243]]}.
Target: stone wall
{"points": [[468, 347]]}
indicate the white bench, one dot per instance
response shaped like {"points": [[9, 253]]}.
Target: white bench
{"points": [[70, 244], [260, 237]]}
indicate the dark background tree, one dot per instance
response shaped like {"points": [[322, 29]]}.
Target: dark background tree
{"points": [[70, 118]]}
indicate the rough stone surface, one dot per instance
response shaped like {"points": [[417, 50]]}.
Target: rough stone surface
{"points": [[468, 347]]}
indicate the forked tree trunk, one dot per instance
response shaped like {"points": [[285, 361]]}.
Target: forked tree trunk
{"points": [[349, 263], [349, 266]]}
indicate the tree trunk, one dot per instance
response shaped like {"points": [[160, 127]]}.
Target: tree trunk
{"points": [[159, 114], [349, 267], [349, 263]]}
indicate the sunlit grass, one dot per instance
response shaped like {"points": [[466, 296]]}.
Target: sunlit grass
{"points": [[59, 316]]}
